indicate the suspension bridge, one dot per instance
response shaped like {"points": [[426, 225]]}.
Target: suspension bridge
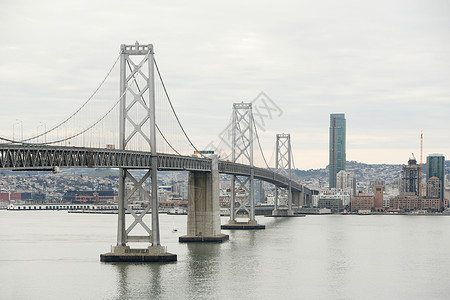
{"points": [[143, 144]]}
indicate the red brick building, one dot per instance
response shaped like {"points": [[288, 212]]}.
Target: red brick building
{"points": [[413, 202], [378, 197], [363, 203]]}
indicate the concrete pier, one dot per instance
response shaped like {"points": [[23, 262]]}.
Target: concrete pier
{"points": [[282, 213], [203, 221], [250, 225], [150, 254]]}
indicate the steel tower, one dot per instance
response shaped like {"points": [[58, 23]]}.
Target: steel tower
{"points": [[137, 130], [242, 148], [283, 167]]}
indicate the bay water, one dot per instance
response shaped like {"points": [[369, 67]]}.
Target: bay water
{"points": [[55, 255]]}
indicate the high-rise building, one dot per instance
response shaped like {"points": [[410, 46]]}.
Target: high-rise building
{"points": [[409, 198], [346, 180], [435, 168], [337, 147], [410, 178], [434, 187]]}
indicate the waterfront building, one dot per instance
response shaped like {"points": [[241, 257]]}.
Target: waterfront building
{"points": [[387, 199], [378, 197], [434, 187], [332, 202], [435, 168], [363, 202], [410, 178], [346, 180], [334, 199], [92, 196], [409, 198], [414, 202], [337, 155]]}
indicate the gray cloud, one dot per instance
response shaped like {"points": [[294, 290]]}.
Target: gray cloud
{"points": [[386, 64]]}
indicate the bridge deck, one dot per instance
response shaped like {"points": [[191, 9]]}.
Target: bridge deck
{"points": [[38, 157]]}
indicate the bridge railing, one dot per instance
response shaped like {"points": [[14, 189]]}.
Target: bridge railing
{"points": [[260, 173], [32, 156], [234, 168], [183, 163]]}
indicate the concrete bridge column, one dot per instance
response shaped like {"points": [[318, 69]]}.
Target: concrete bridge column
{"points": [[297, 199], [203, 224]]}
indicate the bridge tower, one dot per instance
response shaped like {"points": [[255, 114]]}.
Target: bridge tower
{"points": [[137, 129], [283, 167], [242, 148]]}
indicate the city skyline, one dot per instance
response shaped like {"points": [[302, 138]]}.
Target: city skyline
{"points": [[389, 74]]}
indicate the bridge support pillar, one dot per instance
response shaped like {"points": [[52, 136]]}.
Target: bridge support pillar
{"points": [[242, 148], [133, 127], [249, 225], [283, 165], [203, 224], [285, 211], [297, 199]]}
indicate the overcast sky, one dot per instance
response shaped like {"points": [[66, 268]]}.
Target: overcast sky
{"points": [[385, 64]]}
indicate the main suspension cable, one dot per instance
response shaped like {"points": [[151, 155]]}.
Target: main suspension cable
{"points": [[293, 161], [259, 143], [159, 130], [273, 153], [92, 125], [80, 108], [173, 110]]}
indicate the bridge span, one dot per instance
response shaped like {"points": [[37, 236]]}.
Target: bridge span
{"points": [[137, 128], [35, 157]]}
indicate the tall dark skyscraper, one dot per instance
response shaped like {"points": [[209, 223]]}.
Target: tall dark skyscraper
{"points": [[337, 146], [410, 178], [435, 168]]}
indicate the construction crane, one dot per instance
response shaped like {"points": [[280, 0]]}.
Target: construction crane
{"points": [[420, 172]]}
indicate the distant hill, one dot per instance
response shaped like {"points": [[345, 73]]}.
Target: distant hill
{"points": [[364, 173], [313, 178]]}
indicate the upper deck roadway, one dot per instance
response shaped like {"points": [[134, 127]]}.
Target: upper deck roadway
{"points": [[35, 157]]}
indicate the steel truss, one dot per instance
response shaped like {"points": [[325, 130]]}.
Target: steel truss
{"points": [[242, 149], [137, 125], [37, 157], [283, 168]]}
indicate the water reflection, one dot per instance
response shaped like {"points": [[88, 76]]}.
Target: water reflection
{"points": [[139, 280], [242, 238], [277, 221], [317, 257], [337, 264], [203, 261], [122, 282]]}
